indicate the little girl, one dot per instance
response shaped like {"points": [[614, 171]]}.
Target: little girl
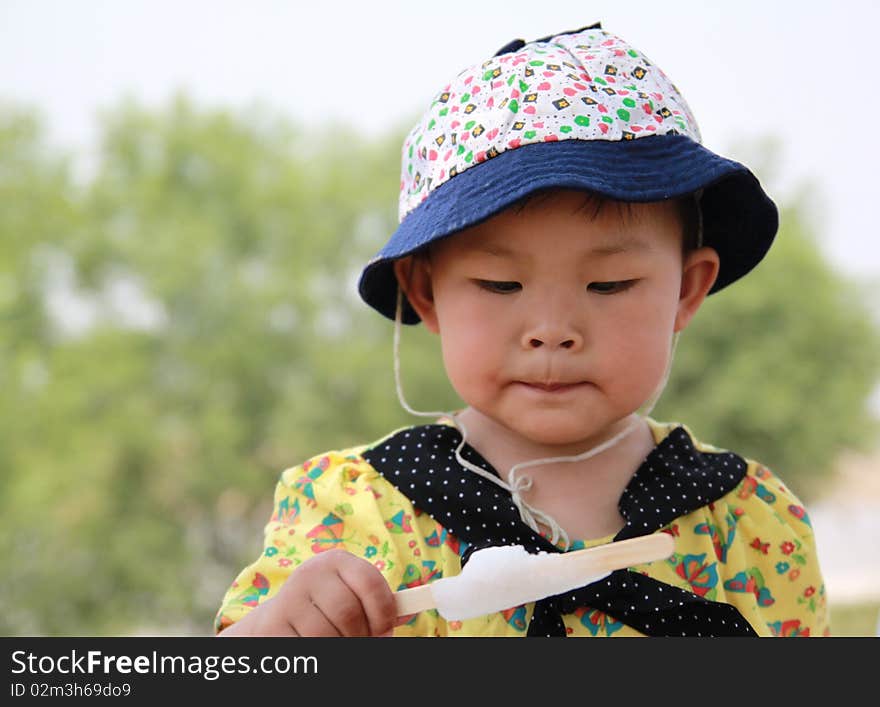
{"points": [[560, 225]]}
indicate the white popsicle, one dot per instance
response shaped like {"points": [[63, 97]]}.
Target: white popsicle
{"points": [[498, 578]]}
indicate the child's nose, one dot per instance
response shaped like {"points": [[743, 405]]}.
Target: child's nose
{"points": [[552, 322], [537, 343], [553, 338]]}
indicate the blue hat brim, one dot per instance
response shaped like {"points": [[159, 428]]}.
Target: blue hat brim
{"points": [[739, 219]]}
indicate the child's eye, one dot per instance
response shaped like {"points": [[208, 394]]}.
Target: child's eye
{"points": [[610, 288], [499, 286]]}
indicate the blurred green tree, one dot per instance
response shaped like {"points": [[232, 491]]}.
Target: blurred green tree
{"points": [[216, 255], [781, 367]]}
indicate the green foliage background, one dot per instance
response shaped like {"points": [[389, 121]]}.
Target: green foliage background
{"points": [[138, 457]]}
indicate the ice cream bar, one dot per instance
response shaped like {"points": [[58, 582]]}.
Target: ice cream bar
{"points": [[498, 578]]}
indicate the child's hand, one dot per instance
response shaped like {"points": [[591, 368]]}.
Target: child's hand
{"points": [[334, 593]]}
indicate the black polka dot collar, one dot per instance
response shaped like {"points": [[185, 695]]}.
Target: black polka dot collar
{"points": [[675, 479]]}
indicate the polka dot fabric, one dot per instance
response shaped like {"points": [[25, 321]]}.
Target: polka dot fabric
{"points": [[744, 562], [586, 85], [473, 510], [675, 479]]}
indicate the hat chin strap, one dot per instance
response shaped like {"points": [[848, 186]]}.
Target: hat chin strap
{"points": [[516, 485]]}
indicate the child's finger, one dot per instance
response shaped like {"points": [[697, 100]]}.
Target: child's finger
{"points": [[376, 598], [309, 621], [343, 608], [317, 602]]}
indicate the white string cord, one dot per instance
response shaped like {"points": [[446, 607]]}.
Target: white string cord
{"points": [[398, 314], [517, 485]]}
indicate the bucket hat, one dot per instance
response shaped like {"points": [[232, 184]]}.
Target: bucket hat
{"points": [[577, 110]]}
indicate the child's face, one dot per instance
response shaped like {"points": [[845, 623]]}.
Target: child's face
{"points": [[557, 323]]}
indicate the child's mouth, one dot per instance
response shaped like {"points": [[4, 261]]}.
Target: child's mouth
{"points": [[553, 387]]}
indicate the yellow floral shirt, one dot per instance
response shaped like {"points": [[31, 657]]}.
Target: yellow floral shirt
{"points": [[752, 547]]}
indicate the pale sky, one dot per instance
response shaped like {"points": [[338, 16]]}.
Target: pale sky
{"points": [[803, 72]]}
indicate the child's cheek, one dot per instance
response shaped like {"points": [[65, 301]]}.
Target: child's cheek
{"points": [[465, 353], [640, 361]]}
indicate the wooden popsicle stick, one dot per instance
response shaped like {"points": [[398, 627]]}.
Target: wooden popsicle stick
{"points": [[414, 600], [625, 553], [595, 560]]}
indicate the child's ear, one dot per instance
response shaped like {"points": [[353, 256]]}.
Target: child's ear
{"points": [[414, 278], [697, 277]]}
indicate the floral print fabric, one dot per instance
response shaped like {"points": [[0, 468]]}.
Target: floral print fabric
{"points": [[753, 548], [586, 85]]}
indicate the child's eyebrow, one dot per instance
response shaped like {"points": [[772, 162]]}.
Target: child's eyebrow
{"points": [[493, 249], [621, 245]]}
